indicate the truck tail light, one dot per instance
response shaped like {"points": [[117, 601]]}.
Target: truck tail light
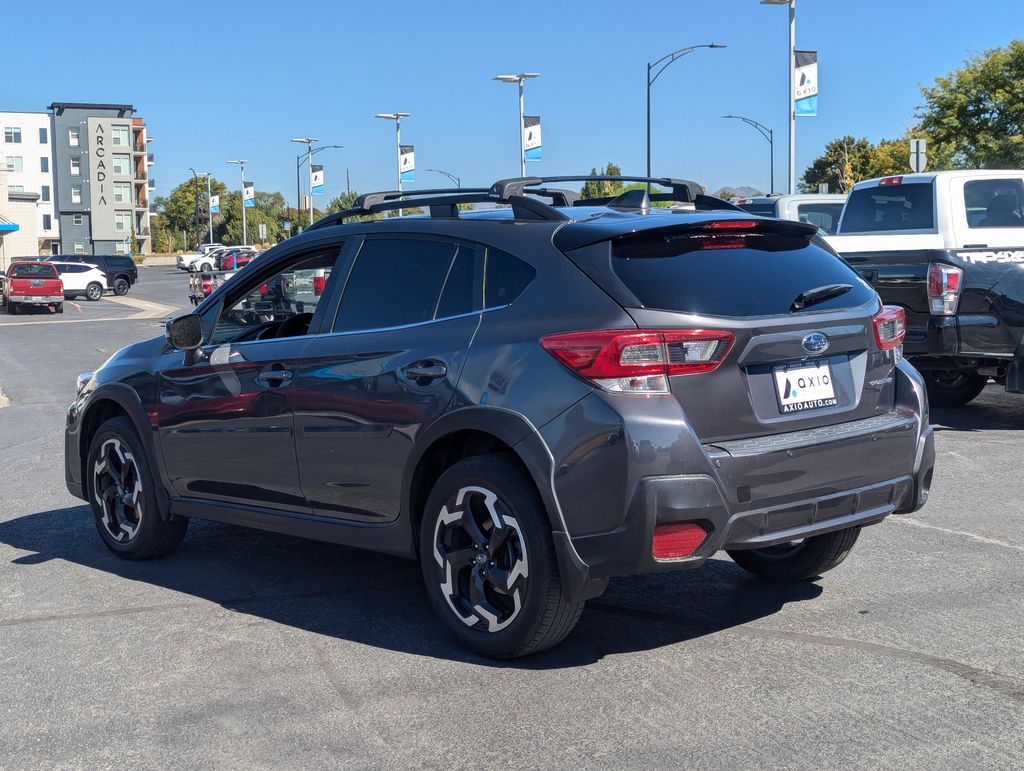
{"points": [[319, 282], [945, 282], [639, 361], [207, 285], [676, 540], [890, 328]]}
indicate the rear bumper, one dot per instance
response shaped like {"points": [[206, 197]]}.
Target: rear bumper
{"points": [[36, 299], [968, 335]]}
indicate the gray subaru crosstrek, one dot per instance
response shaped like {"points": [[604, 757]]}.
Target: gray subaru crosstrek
{"points": [[529, 399]]}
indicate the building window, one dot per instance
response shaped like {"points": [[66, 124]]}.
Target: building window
{"points": [[122, 192], [73, 137], [120, 136], [76, 194], [15, 163], [120, 248], [43, 136], [44, 164], [46, 193], [47, 222], [78, 219], [15, 188], [122, 221], [79, 247], [12, 135], [123, 165], [76, 166]]}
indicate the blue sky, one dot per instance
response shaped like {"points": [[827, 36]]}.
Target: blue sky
{"points": [[220, 80]]}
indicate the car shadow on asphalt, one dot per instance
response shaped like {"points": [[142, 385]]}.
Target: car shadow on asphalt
{"points": [[378, 600], [993, 410]]}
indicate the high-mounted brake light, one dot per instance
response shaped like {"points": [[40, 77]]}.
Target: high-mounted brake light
{"points": [[676, 540], [732, 225], [891, 181], [945, 282], [890, 327], [639, 361]]}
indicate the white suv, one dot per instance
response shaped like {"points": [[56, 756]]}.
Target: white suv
{"points": [[81, 280]]}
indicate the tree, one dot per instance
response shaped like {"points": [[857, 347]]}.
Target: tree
{"points": [[601, 189], [844, 162], [977, 111], [179, 208]]}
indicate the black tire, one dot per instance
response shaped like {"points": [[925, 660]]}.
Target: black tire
{"points": [[800, 560], [121, 286], [205, 267], [94, 291], [530, 612], [953, 389], [133, 530], [58, 308], [13, 308]]}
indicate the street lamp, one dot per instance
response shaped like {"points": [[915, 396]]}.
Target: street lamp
{"points": [[792, 88], [299, 160], [768, 134], [452, 177], [397, 118], [308, 141], [661, 65], [209, 197], [520, 79], [245, 233]]}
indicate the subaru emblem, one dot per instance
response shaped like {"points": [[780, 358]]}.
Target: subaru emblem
{"points": [[815, 342]]}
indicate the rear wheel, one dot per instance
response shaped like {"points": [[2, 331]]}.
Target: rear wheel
{"points": [[798, 560], [58, 308], [93, 292], [488, 560], [121, 286], [12, 308], [954, 388]]}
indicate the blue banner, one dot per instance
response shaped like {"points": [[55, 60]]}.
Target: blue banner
{"points": [[249, 194], [805, 86], [214, 204], [407, 163], [531, 137], [316, 179]]}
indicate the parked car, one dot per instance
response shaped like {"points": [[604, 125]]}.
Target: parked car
{"points": [[29, 284], [605, 389], [202, 259], [122, 272], [818, 209], [235, 257], [81, 280], [947, 247]]}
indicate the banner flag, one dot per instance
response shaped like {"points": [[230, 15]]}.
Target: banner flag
{"points": [[805, 89], [214, 204], [249, 194], [531, 137], [407, 163], [316, 179]]}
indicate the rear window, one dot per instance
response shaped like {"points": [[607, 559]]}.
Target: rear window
{"points": [[762, 278], [824, 216], [890, 208], [35, 270], [760, 209], [994, 203], [119, 261]]}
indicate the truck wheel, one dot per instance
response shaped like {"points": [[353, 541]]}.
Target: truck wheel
{"points": [[489, 562], [58, 308], [953, 389], [121, 286], [13, 308], [93, 292], [122, 493], [798, 560]]}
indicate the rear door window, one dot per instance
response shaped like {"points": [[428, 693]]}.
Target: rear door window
{"points": [[506, 277], [35, 270], [994, 203], [824, 216], [888, 208]]}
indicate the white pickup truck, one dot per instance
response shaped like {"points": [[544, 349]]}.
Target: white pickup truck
{"points": [[948, 246], [819, 209]]}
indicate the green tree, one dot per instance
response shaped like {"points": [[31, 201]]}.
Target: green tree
{"points": [[602, 189], [179, 208], [976, 112], [845, 162]]}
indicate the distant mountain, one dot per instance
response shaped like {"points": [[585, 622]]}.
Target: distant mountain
{"points": [[743, 191]]}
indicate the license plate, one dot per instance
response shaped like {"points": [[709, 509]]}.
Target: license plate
{"points": [[805, 386]]}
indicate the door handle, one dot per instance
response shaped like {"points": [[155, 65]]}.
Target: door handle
{"points": [[425, 373], [274, 375]]}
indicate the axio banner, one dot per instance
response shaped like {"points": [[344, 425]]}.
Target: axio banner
{"points": [[531, 137], [805, 89], [214, 204], [316, 179], [249, 194], [407, 163]]}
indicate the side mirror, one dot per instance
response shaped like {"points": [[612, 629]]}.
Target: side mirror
{"points": [[185, 333]]}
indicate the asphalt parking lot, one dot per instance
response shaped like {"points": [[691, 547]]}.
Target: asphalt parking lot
{"points": [[250, 649]]}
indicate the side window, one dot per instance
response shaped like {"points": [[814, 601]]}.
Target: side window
{"points": [[994, 203], [281, 305], [824, 216], [396, 282], [505, 277]]}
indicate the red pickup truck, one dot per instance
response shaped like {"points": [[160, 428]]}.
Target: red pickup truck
{"points": [[32, 283]]}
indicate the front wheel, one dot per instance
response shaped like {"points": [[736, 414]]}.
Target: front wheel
{"points": [[489, 563], [93, 292], [953, 389], [121, 286], [205, 267], [798, 560]]}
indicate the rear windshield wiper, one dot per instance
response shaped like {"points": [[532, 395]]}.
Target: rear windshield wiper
{"points": [[817, 295]]}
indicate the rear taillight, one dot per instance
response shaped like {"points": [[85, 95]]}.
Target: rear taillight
{"points": [[676, 540], [207, 286], [944, 285], [263, 290], [319, 282], [890, 327], [639, 361]]}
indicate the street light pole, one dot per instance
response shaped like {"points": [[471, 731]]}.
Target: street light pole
{"points": [[661, 65], [397, 118], [768, 134], [299, 160], [245, 233], [520, 79], [792, 88], [452, 177]]}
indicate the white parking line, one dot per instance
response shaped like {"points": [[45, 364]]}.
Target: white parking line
{"points": [[972, 536]]}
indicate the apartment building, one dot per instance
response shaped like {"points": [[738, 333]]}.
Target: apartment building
{"points": [[27, 157], [101, 167]]}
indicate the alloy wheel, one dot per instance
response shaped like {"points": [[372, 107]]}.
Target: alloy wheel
{"points": [[117, 488], [480, 551]]}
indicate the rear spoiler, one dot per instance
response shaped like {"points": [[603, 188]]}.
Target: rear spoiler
{"points": [[571, 236]]}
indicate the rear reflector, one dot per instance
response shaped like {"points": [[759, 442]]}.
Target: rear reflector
{"points": [[639, 361], [677, 540], [945, 283], [890, 327]]}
